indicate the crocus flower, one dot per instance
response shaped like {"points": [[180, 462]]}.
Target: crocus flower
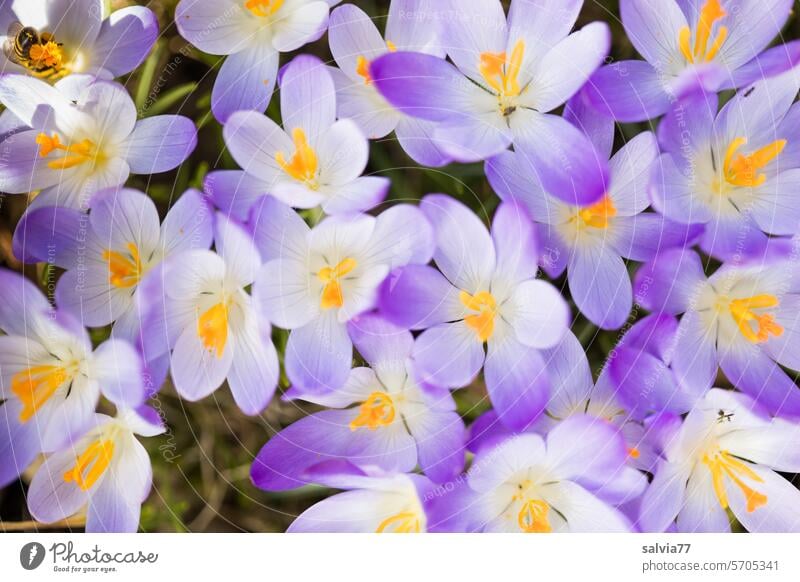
{"points": [[83, 137], [315, 160], [107, 254], [742, 319], [382, 417], [374, 502], [507, 77], [412, 25], [703, 44], [591, 241], [252, 33], [106, 470], [528, 484], [574, 393], [486, 295], [316, 280], [75, 37], [734, 171], [199, 309], [724, 457], [50, 377]]}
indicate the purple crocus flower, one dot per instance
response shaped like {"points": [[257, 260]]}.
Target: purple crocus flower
{"points": [[742, 319], [106, 470], [486, 295], [107, 253], [252, 33], [591, 241], [736, 172], [82, 137], [382, 417], [375, 501], [50, 376], [574, 393], [412, 25], [314, 160], [724, 457], [316, 280], [535, 485], [689, 45], [196, 306], [507, 76], [74, 37]]}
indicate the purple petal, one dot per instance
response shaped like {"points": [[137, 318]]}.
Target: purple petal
{"points": [[319, 355], [515, 244], [642, 237], [599, 284], [159, 144], [416, 137], [49, 234], [628, 91], [440, 443], [669, 283], [245, 82], [125, 39], [418, 297], [308, 97], [769, 63], [448, 355], [379, 342], [254, 371], [234, 192], [598, 128], [517, 382]]}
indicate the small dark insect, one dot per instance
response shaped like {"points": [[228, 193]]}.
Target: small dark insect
{"points": [[722, 416]]}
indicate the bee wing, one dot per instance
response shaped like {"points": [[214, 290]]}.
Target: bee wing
{"points": [[14, 29], [10, 52]]}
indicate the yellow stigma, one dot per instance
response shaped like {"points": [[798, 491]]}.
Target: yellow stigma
{"points": [[598, 215], [701, 53], [481, 323], [362, 64], [75, 154], [263, 8], [376, 411], [331, 276], [124, 270], [403, 522], [91, 464], [212, 327], [502, 73], [741, 170], [722, 464], [303, 165], [532, 518], [744, 314], [35, 386]]}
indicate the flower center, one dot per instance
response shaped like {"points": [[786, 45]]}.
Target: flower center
{"points": [[263, 8], [124, 270], [212, 327], [74, 154], [91, 464], [755, 327], [362, 64], [403, 522], [742, 170], [482, 323], [303, 165], [35, 386], [331, 276], [532, 517], [502, 75], [710, 13], [722, 464], [598, 215], [38, 52], [376, 411]]}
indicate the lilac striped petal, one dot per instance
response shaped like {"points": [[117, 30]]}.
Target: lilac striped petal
{"points": [[515, 244], [125, 39], [197, 371], [19, 444], [733, 237], [214, 26], [234, 192], [254, 371], [653, 28], [159, 144], [305, 23], [49, 234], [662, 501], [308, 96], [599, 284], [319, 354], [473, 28], [628, 91], [188, 224], [418, 297], [448, 355], [771, 62], [565, 161], [669, 283], [245, 81], [517, 381], [50, 497], [352, 34], [440, 443], [416, 137], [598, 128], [642, 237], [752, 25]]}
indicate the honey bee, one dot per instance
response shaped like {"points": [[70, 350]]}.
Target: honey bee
{"points": [[36, 51]]}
